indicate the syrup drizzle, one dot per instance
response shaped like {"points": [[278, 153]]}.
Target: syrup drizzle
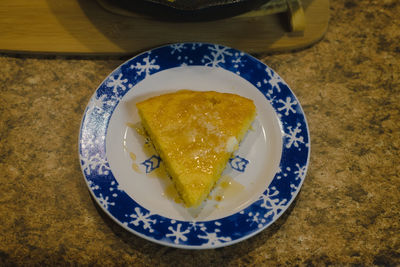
{"points": [[225, 189], [132, 155], [135, 167], [170, 193]]}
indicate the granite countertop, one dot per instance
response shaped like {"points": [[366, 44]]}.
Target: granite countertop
{"points": [[346, 213]]}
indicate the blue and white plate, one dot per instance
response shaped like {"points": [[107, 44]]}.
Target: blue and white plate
{"points": [[265, 174]]}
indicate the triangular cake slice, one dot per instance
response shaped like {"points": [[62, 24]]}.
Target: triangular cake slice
{"points": [[195, 134]]}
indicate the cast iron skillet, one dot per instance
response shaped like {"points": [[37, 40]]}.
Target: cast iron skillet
{"points": [[198, 4], [178, 10]]}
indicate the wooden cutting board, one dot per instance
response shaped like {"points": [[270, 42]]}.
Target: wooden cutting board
{"points": [[85, 27]]}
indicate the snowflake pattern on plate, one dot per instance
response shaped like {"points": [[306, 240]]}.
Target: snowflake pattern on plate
{"points": [[191, 234]]}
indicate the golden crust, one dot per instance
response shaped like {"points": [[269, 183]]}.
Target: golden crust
{"points": [[195, 134]]}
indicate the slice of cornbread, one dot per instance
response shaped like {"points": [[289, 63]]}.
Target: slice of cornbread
{"points": [[195, 134]]}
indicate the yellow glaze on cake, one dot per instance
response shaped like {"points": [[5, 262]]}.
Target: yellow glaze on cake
{"points": [[195, 134]]}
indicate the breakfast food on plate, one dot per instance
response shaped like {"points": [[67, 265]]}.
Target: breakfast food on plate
{"points": [[195, 134]]}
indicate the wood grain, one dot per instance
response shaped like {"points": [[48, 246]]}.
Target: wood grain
{"points": [[84, 27]]}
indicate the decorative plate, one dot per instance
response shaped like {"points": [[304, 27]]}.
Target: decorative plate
{"points": [[126, 179]]}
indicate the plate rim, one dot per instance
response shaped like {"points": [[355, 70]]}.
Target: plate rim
{"points": [[212, 246]]}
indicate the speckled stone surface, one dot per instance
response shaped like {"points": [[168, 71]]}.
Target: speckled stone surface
{"points": [[346, 214]]}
